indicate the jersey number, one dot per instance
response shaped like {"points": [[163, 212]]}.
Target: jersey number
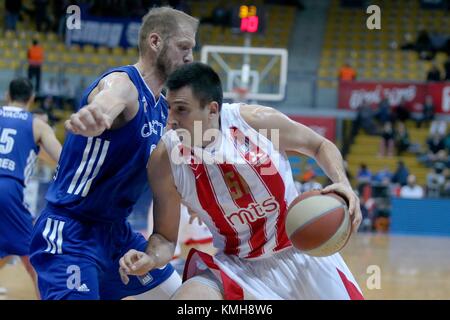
{"points": [[237, 185], [7, 140]]}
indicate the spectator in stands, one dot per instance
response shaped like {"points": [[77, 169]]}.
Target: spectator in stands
{"points": [[402, 112], [435, 143], [447, 142], [12, 12], [383, 176], [387, 140], [434, 74], [409, 43], [48, 106], [438, 127], [424, 45], [402, 142], [442, 159], [384, 112], [35, 61], [401, 174], [447, 68], [68, 93], [364, 119], [436, 181], [367, 207], [309, 180], [312, 184], [364, 175], [426, 113], [411, 190], [347, 73], [42, 17], [446, 189], [51, 88]]}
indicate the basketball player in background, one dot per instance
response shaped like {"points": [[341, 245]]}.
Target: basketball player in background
{"points": [[241, 189], [82, 233], [21, 136]]}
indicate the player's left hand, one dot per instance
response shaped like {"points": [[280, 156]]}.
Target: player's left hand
{"points": [[136, 263], [353, 202]]}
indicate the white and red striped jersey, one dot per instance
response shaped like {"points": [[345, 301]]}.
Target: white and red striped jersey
{"points": [[240, 185]]}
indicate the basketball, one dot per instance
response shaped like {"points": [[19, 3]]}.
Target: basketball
{"points": [[318, 224]]}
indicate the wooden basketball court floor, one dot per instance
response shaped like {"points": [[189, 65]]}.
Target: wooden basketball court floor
{"points": [[407, 267]]}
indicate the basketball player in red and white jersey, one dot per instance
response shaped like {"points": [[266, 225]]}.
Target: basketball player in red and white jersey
{"points": [[240, 184]]}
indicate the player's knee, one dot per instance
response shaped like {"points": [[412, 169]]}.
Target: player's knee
{"points": [[197, 290]]}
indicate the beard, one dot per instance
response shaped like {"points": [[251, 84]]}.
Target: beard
{"points": [[163, 64]]}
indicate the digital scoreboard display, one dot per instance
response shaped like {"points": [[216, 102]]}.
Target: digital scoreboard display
{"points": [[249, 18]]}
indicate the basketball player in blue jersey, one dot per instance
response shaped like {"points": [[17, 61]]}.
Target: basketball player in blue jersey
{"points": [[21, 136], [82, 233]]}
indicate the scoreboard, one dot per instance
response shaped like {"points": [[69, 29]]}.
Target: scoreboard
{"points": [[249, 18]]}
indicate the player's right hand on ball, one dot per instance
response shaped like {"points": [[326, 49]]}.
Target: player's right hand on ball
{"points": [[89, 121], [136, 263]]}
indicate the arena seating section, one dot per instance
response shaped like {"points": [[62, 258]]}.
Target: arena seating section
{"points": [[369, 52]]}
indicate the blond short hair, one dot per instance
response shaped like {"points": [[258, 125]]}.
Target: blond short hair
{"points": [[164, 21]]}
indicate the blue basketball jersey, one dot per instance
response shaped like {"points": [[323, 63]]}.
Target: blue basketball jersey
{"points": [[101, 178], [18, 150]]}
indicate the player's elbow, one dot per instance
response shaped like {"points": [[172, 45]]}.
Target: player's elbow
{"points": [[323, 146]]}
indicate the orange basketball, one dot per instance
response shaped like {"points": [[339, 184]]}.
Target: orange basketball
{"points": [[318, 224]]}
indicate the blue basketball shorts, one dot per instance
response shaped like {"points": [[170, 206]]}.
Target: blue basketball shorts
{"points": [[79, 260]]}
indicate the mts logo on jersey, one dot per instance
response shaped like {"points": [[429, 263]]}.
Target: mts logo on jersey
{"points": [[254, 211], [153, 127]]}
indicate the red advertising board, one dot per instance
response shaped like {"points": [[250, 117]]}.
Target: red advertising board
{"points": [[353, 93], [441, 96], [323, 126]]}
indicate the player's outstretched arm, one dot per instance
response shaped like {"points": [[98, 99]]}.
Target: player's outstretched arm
{"points": [[45, 137], [296, 137], [112, 96], [166, 217]]}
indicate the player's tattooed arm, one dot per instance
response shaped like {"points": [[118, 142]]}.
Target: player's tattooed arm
{"points": [[295, 137], [166, 216], [114, 96]]}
